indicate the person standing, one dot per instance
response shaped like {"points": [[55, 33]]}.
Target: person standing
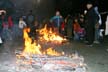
{"points": [[1, 26], [57, 20], [69, 27], [106, 26], [97, 26], [22, 25], [10, 22], [30, 19], [91, 19], [34, 30]]}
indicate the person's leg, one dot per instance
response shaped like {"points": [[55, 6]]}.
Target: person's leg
{"points": [[90, 36], [9, 34], [96, 36], [56, 30], [4, 35], [76, 37]]}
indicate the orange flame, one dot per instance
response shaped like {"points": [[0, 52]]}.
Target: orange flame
{"points": [[49, 35], [52, 52], [30, 48], [34, 48]]}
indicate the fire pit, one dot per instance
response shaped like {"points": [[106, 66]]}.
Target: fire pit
{"points": [[35, 58], [46, 63]]}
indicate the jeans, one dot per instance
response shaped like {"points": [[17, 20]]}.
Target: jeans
{"points": [[76, 36], [16, 31], [6, 35], [96, 34]]}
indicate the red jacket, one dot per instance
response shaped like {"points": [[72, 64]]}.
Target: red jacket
{"points": [[10, 22], [62, 25], [77, 27]]}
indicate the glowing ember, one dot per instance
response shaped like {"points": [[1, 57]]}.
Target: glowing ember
{"points": [[45, 63], [51, 52]]}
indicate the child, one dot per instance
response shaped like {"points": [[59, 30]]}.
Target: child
{"points": [[62, 29], [6, 32], [78, 31], [10, 22], [22, 24], [33, 31]]}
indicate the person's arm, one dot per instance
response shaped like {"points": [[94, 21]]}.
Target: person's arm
{"points": [[95, 16], [51, 20], [24, 24], [19, 23]]}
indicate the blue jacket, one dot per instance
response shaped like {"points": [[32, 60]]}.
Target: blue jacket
{"points": [[57, 20]]}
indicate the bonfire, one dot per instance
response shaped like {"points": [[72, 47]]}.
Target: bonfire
{"points": [[33, 59]]}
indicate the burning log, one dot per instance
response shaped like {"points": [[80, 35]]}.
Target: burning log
{"points": [[46, 63]]}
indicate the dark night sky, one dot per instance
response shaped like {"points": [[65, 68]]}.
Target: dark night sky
{"points": [[76, 6]]}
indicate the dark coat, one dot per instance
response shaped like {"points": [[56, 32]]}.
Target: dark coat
{"points": [[90, 21], [91, 18]]}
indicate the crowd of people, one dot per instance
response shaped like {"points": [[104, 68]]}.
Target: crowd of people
{"points": [[81, 27], [6, 25], [10, 28], [84, 27]]}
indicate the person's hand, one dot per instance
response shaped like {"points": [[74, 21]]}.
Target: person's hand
{"points": [[97, 26], [62, 29]]}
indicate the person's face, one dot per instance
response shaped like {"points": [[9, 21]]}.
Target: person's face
{"points": [[76, 20], [36, 23], [21, 19], [81, 19], [89, 6], [57, 13]]}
